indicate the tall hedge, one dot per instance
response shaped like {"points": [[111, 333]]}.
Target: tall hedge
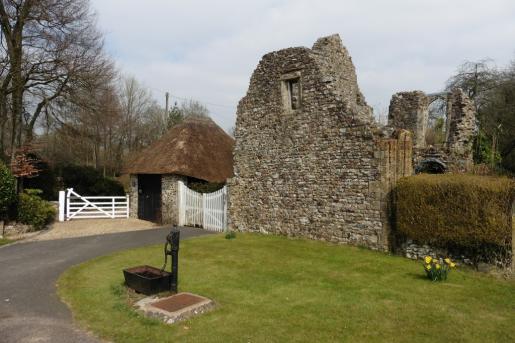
{"points": [[462, 210]]}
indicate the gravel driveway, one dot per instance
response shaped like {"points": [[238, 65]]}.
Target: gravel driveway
{"points": [[90, 227], [30, 310]]}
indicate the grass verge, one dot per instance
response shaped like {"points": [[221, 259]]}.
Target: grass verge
{"points": [[272, 289], [4, 241]]}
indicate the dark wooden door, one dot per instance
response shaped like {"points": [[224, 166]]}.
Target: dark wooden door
{"points": [[149, 197]]}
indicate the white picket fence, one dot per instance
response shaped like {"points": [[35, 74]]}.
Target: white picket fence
{"points": [[205, 210], [75, 206]]}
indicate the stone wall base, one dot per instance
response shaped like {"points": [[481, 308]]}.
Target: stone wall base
{"points": [[415, 251]]}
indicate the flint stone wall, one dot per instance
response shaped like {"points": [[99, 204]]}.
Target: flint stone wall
{"points": [[133, 196], [318, 171], [494, 260], [410, 111], [461, 129], [169, 198]]}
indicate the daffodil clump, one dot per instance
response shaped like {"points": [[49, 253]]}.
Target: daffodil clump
{"points": [[436, 269]]}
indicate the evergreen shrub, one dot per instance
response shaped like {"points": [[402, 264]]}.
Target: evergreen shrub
{"points": [[34, 211], [88, 181]]}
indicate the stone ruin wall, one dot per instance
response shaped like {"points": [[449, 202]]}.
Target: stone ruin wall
{"points": [[461, 129], [409, 110], [321, 171]]}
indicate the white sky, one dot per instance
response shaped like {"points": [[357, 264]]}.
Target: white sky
{"points": [[207, 50]]}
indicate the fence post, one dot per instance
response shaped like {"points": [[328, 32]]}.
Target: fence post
{"points": [[128, 207], [62, 200], [68, 191], [112, 206], [225, 198], [179, 203], [204, 216]]}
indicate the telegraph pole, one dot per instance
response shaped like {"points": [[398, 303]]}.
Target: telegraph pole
{"points": [[167, 96]]}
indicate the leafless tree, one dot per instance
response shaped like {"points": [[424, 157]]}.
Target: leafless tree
{"points": [[476, 79], [193, 109], [51, 48], [59, 88], [135, 101]]}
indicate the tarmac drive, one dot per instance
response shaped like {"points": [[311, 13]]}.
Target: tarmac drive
{"points": [[30, 310]]}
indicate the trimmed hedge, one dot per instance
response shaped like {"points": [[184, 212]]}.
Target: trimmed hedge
{"points": [[455, 209]]}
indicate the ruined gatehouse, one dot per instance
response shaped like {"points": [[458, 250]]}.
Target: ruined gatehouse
{"points": [[309, 159]]}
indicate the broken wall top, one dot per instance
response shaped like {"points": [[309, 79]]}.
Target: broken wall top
{"points": [[327, 76], [409, 110]]}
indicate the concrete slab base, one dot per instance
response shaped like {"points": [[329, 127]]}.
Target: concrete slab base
{"points": [[174, 308]]}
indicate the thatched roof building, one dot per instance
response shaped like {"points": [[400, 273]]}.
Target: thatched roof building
{"points": [[196, 148]]}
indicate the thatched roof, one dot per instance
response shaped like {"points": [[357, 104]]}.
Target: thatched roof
{"points": [[196, 147]]}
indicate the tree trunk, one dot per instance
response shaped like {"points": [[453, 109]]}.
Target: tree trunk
{"points": [[16, 96], [3, 123], [20, 187]]}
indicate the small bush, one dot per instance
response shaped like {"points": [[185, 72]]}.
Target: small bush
{"points": [[32, 210], [453, 209], [205, 187], [7, 190], [230, 235]]}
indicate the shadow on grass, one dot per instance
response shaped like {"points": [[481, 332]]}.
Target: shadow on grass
{"points": [[417, 276]]}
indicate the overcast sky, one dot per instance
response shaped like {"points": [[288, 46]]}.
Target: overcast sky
{"points": [[207, 50]]}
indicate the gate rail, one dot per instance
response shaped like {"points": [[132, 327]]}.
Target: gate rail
{"points": [[75, 206]]}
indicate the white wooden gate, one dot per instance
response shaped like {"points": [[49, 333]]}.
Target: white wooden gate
{"points": [[75, 206], [206, 210]]}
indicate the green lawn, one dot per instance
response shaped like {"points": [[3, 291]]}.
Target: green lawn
{"points": [[4, 241], [272, 289]]}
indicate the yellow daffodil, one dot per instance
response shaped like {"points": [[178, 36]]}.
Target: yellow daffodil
{"points": [[448, 260], [453, 264], [437, 266], [428, 266], [428, 259]]}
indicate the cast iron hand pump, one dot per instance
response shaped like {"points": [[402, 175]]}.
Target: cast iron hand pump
{"points": [[172, 248]]}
